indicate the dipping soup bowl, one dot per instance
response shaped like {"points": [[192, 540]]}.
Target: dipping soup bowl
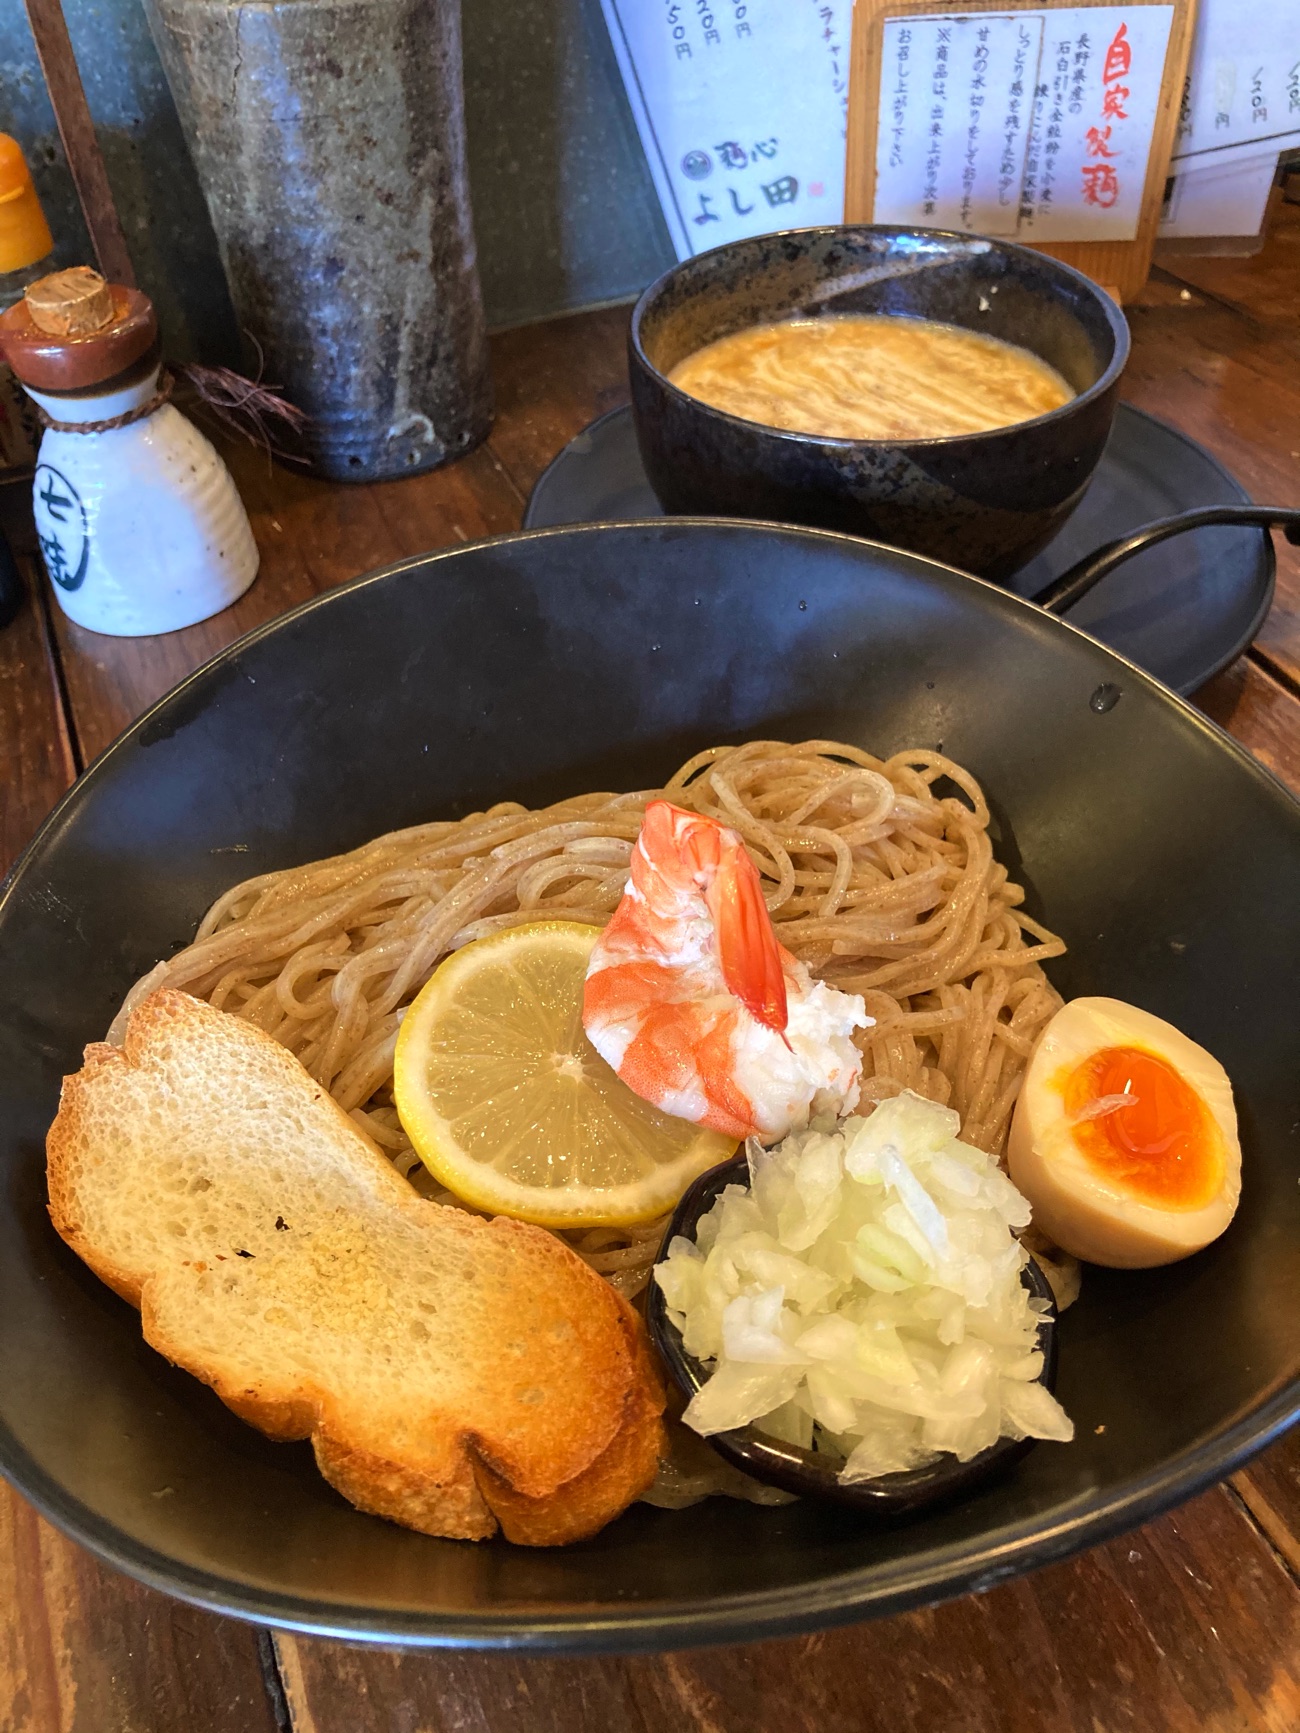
{"points": [[984, 502]]}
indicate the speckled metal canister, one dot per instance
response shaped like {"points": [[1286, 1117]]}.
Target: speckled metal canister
{"points": [[330, 141]]}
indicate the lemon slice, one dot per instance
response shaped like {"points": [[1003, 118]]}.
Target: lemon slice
{"points": [[511, 1107]]}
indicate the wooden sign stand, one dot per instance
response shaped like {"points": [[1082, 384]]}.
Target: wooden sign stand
{"points": [[1121, 267]]}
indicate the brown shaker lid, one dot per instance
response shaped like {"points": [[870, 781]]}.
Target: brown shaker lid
{"points": [[71, 330]]}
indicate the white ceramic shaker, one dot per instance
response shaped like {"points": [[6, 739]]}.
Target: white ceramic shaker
{"points": [[139, 521]]}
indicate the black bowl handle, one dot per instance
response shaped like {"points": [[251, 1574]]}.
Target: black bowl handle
{"points": [[1063, 592]]}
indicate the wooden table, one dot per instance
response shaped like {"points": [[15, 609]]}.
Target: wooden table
{"points": [[1191, 1625]]}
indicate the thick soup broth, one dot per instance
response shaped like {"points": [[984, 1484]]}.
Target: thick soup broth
{"points": [[871, 376]]}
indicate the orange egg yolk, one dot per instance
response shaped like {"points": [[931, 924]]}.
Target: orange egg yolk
{"points": [[1163, 1145]]}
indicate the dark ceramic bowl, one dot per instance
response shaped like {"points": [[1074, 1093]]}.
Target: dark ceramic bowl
{"points": [[984, 502], [813, 1474], [533, 667]]}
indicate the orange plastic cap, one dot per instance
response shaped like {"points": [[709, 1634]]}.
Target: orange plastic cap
{"points": [[24, 233]]}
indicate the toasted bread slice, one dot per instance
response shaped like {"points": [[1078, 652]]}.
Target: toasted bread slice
{"points": [[453, 1374]]}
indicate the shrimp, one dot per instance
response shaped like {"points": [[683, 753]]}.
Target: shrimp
{"points": [[698, 1008]]}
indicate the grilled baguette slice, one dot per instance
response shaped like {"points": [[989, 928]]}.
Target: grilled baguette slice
{"points": [[453, 1374]]}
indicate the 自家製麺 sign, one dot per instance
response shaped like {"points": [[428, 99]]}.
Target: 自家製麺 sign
{"points": [[1032, 125]]}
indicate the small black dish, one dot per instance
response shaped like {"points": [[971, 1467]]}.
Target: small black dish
{"points": [[807, 1472], [984, 502]]}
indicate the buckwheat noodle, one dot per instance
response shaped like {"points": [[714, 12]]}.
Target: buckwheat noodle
{"points": [[879, 875]]}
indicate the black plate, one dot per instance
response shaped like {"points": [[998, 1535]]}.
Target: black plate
{"points": [[811, 1473], [536, 666], [1182, 610]]}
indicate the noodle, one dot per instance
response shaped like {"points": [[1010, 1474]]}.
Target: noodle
{"points": [[879, 875]]}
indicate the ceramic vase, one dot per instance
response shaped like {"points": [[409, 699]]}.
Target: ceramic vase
{"points": [[329, 138]]}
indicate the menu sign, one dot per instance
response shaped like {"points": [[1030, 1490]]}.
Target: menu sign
{"points": [[956, 94], [1242, 97], [1035, 125], [741, 107]]}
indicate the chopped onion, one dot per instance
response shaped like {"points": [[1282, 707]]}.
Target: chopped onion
{"points": [[863, 1296]]}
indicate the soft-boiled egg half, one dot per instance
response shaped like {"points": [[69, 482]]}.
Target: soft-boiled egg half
{"points": [[1124, 1138]]}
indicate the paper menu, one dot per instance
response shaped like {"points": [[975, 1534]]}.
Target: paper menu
{"points": [[741, 107], [1036, 125], [1099, 84], [956, 96], [1243, 82]]}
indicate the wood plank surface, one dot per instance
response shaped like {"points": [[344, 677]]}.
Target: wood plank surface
{"points": [[1263, 287], [551, 380], [35, 747], [1216, 351], [1194, 1623], [85, 1650], [1254, 707], [82, 1649], [1270, 1489], [1190, 1626]]}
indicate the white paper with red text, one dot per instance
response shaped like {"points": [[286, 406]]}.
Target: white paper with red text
{"points": [[1098, 90], [1036, 125], [741, 107]]}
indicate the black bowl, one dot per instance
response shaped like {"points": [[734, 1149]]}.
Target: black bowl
{"points": [[810, 1473], [984, 502], [534, 667]]}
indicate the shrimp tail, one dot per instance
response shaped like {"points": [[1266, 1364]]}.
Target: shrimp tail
{"points": [[748, 950]]}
